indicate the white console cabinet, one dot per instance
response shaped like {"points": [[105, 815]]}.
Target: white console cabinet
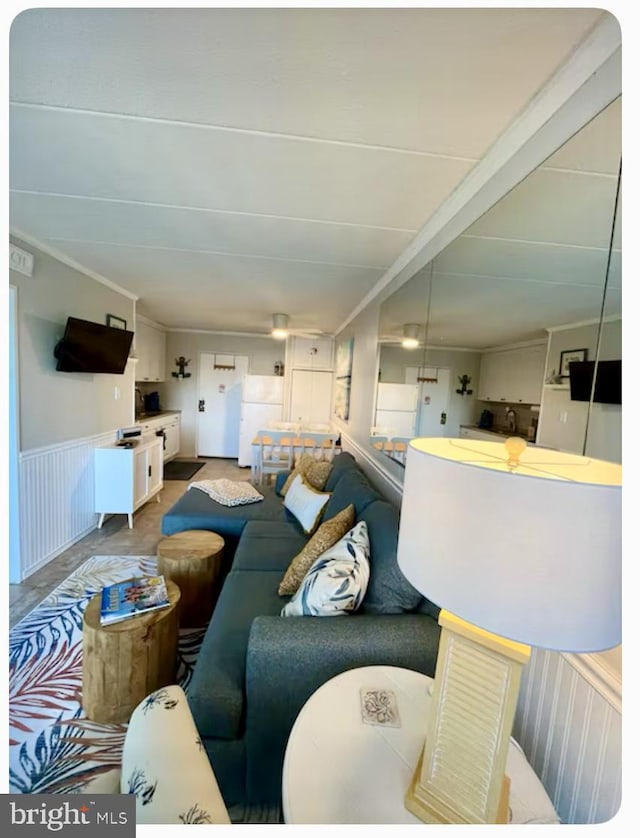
{"points": [[125, 478]]}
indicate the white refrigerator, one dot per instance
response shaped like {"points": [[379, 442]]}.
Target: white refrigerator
{"points": [[262, 401], [396, 408]]}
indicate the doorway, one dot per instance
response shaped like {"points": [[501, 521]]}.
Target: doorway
{"points": [[433, 400], [219, 399]]}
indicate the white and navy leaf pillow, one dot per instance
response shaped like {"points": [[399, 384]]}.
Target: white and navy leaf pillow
{"points": [[337, 580]]}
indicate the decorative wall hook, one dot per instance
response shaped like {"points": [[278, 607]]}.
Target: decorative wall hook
{"points": [[181, 363], [464, 380]]}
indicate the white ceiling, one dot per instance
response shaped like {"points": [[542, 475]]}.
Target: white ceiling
{"points": [[225, 164], [537, 259]]}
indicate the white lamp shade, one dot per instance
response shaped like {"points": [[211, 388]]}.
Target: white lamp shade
{"points": [[532, 554]]}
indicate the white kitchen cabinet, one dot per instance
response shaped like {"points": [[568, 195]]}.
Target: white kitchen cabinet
{"points": [[311, 353], [513, 375], [126, 478], [151, 347], [172, 438], [311, 392], [169, 424]]}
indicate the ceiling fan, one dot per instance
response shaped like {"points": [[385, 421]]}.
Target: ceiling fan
{"points": [[411, 337], [281, 329]]}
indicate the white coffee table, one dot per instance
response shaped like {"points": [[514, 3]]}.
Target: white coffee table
{"points": [[341, 770]]}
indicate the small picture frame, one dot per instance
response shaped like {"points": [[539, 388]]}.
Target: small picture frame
{"points": [[567, 357], [116, 322]]}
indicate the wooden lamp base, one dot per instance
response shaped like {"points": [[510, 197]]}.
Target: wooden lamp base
{"points": [[460, 777], [414, 801]]}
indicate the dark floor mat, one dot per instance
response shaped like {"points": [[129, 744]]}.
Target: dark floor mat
{"points": [[181, 469]]}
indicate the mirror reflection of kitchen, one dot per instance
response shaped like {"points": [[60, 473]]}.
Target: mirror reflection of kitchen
{"points": [[471, 345]]}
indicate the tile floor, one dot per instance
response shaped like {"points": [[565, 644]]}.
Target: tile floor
{"points": [[115, 538]]}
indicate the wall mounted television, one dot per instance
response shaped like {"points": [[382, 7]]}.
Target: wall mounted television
{"points": [[92, 347], [608, 389]]}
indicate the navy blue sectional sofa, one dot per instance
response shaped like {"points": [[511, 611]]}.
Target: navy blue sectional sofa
{"points": [[256, 669]]}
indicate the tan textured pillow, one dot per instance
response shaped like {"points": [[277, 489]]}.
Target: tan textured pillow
{"points": [[327, 534], [315, 472]]}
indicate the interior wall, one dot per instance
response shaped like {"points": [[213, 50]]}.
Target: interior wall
{"points": [[563, 423], [364, 374], [53, 406], [182, 393]]}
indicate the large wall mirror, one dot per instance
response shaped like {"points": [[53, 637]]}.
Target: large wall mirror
{"points": [[482, 341]]}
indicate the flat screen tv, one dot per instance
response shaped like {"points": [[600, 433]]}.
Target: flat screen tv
{"points": [[608, 389], [92, 347]]}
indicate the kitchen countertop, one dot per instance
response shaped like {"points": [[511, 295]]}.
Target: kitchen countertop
{"points": [[497, 431], [155, 414]]}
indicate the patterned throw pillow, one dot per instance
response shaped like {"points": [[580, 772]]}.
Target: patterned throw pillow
{"points": [[324, 537], [337, 581], [305, 503], [315, 472]]}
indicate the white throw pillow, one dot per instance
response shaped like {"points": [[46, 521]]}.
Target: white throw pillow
{"points": [[305, 503], [337, 581]]}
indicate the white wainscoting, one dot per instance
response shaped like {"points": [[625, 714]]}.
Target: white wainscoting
{"points": [[569, 723], [569, 716], [56, 499]]}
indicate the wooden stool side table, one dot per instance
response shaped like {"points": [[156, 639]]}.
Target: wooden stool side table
{"points": [[125, 661], [193, 560]]}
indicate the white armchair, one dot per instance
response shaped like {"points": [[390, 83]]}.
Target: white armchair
{"points": [[165, 765]]}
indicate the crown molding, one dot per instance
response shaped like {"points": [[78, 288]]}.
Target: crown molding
{"points": [[70, 263]]}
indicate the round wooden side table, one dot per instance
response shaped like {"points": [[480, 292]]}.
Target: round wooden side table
{"points": [[125, 661], [193, 560]]}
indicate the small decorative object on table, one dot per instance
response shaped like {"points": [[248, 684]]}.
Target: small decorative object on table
{"points": [[379, 707], [132, 597]]}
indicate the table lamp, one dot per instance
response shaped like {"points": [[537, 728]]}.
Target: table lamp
{"points": [[519, 546]]}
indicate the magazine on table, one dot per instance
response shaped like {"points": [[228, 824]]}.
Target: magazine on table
{"points": [[132, 597]]}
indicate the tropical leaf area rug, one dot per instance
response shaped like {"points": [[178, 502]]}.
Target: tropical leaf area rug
{"points": [[53, 747]]}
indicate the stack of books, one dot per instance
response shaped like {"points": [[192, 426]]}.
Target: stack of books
{"points": [[132, 597]]}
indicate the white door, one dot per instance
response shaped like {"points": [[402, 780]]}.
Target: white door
{"points": [[433, 405], [311, 396], [219, 399]]}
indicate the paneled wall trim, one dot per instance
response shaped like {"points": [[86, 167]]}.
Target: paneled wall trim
{"points": [[572, 736], [56, 499]]}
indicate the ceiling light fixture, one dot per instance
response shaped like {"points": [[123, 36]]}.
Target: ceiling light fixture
{"points": [[280, 328], [410, 335]]}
